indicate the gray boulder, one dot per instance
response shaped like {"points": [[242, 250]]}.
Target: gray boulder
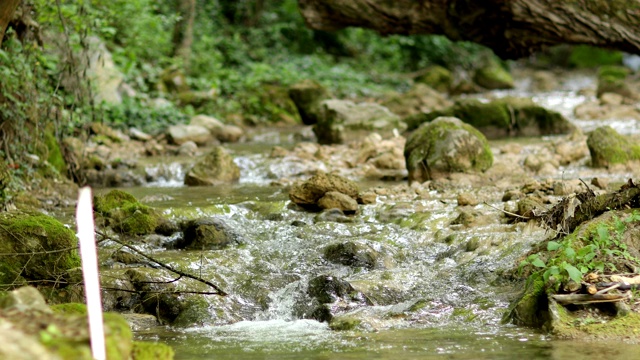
{"points": [[339, 117], [180, 134]]}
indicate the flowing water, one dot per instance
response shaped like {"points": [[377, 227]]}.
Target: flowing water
{"points": [[435, 287]]}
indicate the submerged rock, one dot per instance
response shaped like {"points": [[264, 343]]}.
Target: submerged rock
{"points": [[216, 167], [308, 193], [607, 147], [444, 146], [338, 117], [208, 234], [502, 117], [351, 254]]}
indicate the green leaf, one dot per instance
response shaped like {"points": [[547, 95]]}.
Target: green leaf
{"points": [[570, 253], [538, 263], [574, 274], [553, 245], [603, 233]]}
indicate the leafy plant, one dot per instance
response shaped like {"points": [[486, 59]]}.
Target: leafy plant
{"points": [[571, 258]]}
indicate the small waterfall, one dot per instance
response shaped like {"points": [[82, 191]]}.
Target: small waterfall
{"points": [[165, 174]]}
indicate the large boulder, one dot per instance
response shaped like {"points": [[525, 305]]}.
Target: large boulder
{"points": [[607, 147], [216, 167], [222, 132], [445, 145], [44, 249], [309, 193], [307, 96], [502, 117], [338, 117]]}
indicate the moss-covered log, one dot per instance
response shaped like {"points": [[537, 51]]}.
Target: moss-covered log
{"points": [[512, 28]]}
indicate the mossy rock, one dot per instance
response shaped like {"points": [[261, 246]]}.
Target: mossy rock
{"points": [[125, 214], [612, 79], [532, 306], [268, 103], [443, 146], [209, 233], [69, 309], [351, 254], [307, 96], [54, 154], [493, 76], [437, 77], [147, 350], [501, 118], [585, 56], [50, 244], [607, 147], [195, 312], [344, 323]]}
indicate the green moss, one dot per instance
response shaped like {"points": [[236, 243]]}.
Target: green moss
{"points": [[37, 234], [70, 309], [125, 214], [615, 72], [585, 56], [436, 77], [570, 325], [493, 76], [54, 155], [531, 308], [118, 337], [607, 147], [145, 350], [344, 323], [195, 311]]}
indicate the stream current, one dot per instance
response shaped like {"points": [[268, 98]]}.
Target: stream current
{"points": [[451, 272]]}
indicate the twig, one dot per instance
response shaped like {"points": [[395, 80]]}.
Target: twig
{"points": [[606, 290], [507, 212], [181, 273]]}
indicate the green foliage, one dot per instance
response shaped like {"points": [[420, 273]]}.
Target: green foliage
{"points": [[135, 113], [571, 258]]}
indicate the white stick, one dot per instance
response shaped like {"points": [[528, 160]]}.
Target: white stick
{"points": [[88, 253]]}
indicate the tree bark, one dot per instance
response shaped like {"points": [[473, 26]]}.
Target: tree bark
{"points": [[7, 8], [183, 30], [512, 28]]}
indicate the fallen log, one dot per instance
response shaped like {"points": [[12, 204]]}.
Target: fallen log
{"points": [[581, 299]]}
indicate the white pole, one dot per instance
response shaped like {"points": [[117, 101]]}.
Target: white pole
{"points": [[88, 254]]}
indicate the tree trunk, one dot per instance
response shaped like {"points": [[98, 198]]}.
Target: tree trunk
{"points": [[183, 30], [7, 8], [512, 28]]}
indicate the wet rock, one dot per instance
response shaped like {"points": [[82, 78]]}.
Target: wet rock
{"points": [[214, 168], [607, 147], [339, 117], [38, 242], [493, 76], [308, 193], [444, 146], [502, 117], [180, 134], [544, 81], [208, 122], [23, 299], [326, 289], [367, 197], [419, 99], [188, 148], [333, 215], [141, 322], [209, 233], [351, 254], [229, 134], [465, 199], [529, 207], [124, 214], [337, 200], [437, 77], [612, 79], [307, 96]]}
